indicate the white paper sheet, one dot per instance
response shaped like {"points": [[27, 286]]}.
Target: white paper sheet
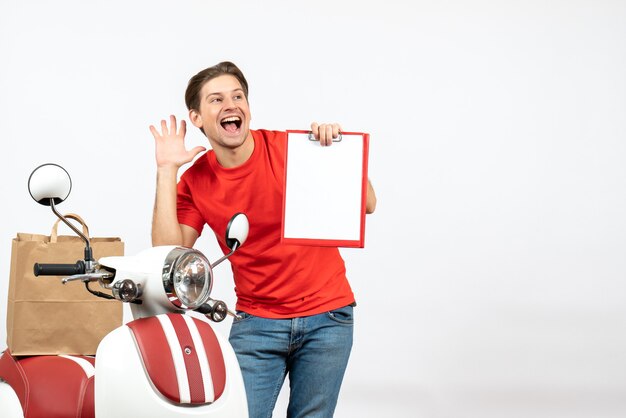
{"points": [[323, 197]]}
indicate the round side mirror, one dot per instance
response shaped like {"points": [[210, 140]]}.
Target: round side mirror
{"points": [[237, 231], [49, 182]]}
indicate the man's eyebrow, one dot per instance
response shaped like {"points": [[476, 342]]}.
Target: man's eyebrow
{"points": [[219, 93]]}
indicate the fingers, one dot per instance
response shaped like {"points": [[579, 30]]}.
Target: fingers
{"points": [[170, 144], [326, 135], [325, 132], [172, 130], [173, 125], [154, 132], [336, 130], [315, 130]]}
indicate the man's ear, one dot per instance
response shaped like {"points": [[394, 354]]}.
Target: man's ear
{"points": [[195, 118]]}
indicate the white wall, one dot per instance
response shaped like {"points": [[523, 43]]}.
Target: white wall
{"points": [[493, 279]]}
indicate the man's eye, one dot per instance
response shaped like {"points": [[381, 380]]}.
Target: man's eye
{"points": [[216, 100], [238, 97]]}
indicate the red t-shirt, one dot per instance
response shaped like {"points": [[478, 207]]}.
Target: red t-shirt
{"points": [[272, 280]]}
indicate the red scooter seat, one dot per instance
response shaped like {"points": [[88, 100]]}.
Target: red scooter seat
{"points": [[51, 386]]}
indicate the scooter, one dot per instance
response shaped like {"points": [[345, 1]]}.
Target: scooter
{"points": [[164, 363]]}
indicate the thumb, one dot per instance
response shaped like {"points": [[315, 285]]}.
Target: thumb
{"points": [[197, 150]]}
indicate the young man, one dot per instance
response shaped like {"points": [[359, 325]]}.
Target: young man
{"points": [[295, 302]]}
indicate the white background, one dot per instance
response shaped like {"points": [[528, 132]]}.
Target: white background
{"points": [[493, 279]]}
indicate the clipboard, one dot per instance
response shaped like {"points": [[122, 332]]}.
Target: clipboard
{"points": [[325, 190]]}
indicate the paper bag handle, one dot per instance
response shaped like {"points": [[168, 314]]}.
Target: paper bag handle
{"points": [[53, 234]]}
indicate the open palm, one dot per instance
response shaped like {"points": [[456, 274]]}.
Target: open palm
{"points": [[170, 144]]}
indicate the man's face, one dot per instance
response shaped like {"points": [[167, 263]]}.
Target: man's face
{"points": [[224, 112]]}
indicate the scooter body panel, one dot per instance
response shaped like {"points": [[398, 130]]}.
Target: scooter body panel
{"points": [[123, 387], [9, 402]]}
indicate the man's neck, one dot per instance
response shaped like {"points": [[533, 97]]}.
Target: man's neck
{"points": [[234, 157]]}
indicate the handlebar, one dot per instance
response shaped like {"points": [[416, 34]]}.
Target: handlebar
{"points": [[59, 269], [216, 310]]}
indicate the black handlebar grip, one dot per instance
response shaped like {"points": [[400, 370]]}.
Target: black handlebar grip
{"points": [[59, 269]]}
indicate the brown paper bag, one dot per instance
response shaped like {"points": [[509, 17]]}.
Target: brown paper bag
{"points": [[45, 316]]}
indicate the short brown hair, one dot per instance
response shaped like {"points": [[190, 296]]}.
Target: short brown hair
{"points": [[192, 94]]}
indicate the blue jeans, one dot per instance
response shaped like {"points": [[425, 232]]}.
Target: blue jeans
{"points": [[314, 350]]}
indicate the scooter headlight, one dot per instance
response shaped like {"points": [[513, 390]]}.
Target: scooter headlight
{"points": [[187, 278]]}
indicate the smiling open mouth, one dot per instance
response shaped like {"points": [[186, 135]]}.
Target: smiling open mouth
{"points": [[231, 123]]}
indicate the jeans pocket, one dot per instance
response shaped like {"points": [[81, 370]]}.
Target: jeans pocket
{"points": [[343, 315], [243, 316]]}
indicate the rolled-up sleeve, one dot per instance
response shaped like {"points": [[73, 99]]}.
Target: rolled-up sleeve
{"points": [[188, 213]]}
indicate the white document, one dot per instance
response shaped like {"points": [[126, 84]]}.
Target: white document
{"points": [[324, 189]]}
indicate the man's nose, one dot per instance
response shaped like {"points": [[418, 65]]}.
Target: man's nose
{"points": [[229, 103]]}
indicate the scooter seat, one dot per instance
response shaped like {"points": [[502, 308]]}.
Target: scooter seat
{"points": [[51, 386]]}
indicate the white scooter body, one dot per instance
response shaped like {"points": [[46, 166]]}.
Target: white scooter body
{"points": [[123, 387], [9, 402], [164, 363]]}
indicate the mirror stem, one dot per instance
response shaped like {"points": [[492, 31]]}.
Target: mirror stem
{"points": [[226, 256], [88, 254]]}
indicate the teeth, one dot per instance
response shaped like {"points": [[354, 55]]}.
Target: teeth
{"points": [[231, 119]]}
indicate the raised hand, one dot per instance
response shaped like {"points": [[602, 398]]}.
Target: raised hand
{"points": [[170, 145]]}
